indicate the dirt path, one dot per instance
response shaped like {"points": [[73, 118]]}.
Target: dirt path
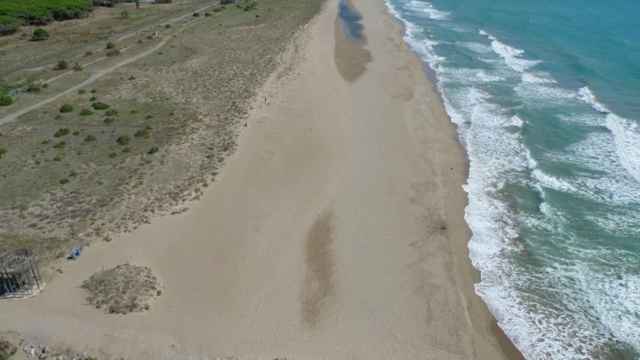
{"points": [[11, 117]]}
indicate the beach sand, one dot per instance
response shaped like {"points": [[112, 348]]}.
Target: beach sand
{"points": [[335, 231]]}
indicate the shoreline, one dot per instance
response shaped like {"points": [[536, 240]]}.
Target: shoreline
{"points": [[508, 347], [336, 230]]}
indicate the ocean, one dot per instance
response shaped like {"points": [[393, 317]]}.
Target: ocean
{"points": [[546, 98]]}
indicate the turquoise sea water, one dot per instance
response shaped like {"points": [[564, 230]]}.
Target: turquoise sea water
{"points": [[546, 97]]}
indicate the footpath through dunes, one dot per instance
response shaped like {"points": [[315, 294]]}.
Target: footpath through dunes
{"points": [[335, 231]]}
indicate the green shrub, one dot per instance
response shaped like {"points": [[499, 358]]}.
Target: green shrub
{"points": [[113, 52], [61, 65], [76, 133], [112, 155], [143, 133], [61, 132], [93, 98], [89, 138], [124, 14], [8, 25], [93, 91], [100, 106], [77, 67], [60, 145], [111, 112], [64, 181], [123, 140], [153, 150], [58, 158], [2, 152], [5, 100], [109, 120], [39, 34], [7, 349], [110, 45], [66, 108], [82, 91], [45, 142], [86, 112]]}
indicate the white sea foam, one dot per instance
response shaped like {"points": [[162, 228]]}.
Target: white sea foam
{"points": [[585, 94], [626, 135], [475, 47], [421, 7], [537, 78], [511, 56], [552, 182], [463, 75], [516, 121]]}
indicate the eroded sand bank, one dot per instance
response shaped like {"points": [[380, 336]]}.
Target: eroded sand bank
{"points": [[336, 230]]}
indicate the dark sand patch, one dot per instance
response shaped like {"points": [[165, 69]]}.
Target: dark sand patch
{"points": [[350, 55], [319, 259]]}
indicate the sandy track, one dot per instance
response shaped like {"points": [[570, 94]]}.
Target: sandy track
{"points": [[335, 231]]}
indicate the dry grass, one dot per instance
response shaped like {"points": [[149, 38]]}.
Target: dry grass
{"points": [[123, 289], [179, 109]]}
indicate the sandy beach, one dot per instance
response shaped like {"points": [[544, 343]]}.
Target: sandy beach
{"points": [[335, 231]]}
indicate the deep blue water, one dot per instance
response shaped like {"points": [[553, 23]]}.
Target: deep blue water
{"points": [[546, 97]]}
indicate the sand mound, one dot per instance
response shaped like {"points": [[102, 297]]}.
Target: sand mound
{"points": [[123, 289]]}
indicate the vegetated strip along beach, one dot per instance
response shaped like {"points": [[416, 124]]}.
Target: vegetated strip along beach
{"points": [[335, 231]]}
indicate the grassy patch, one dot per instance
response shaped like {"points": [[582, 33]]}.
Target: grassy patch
{"points": [[123, 289], [38, 12]]}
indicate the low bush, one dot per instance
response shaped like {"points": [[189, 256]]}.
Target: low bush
{"points": [[61, 65], [66, 108], [39, 34], [123, 140], [86, 112], [61, 132], [64, 181], [153, 150], [109, 120], [8, 25], [111, 112], [112, 155], [34, 87], [110, 45], [100, 106], [5, 100], [7, 349], [60, 145], [143, 133], [82, 91], [89, 138], [2, 152], [77, 67], [113, 52]]}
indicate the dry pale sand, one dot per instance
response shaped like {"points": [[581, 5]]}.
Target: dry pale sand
{"points": [[335, 231]]}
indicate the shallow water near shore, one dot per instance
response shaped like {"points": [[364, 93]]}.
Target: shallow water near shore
{"points": [[546, 100]]}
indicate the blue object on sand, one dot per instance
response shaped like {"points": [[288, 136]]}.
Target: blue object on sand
{"points": [[75, 253]]}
